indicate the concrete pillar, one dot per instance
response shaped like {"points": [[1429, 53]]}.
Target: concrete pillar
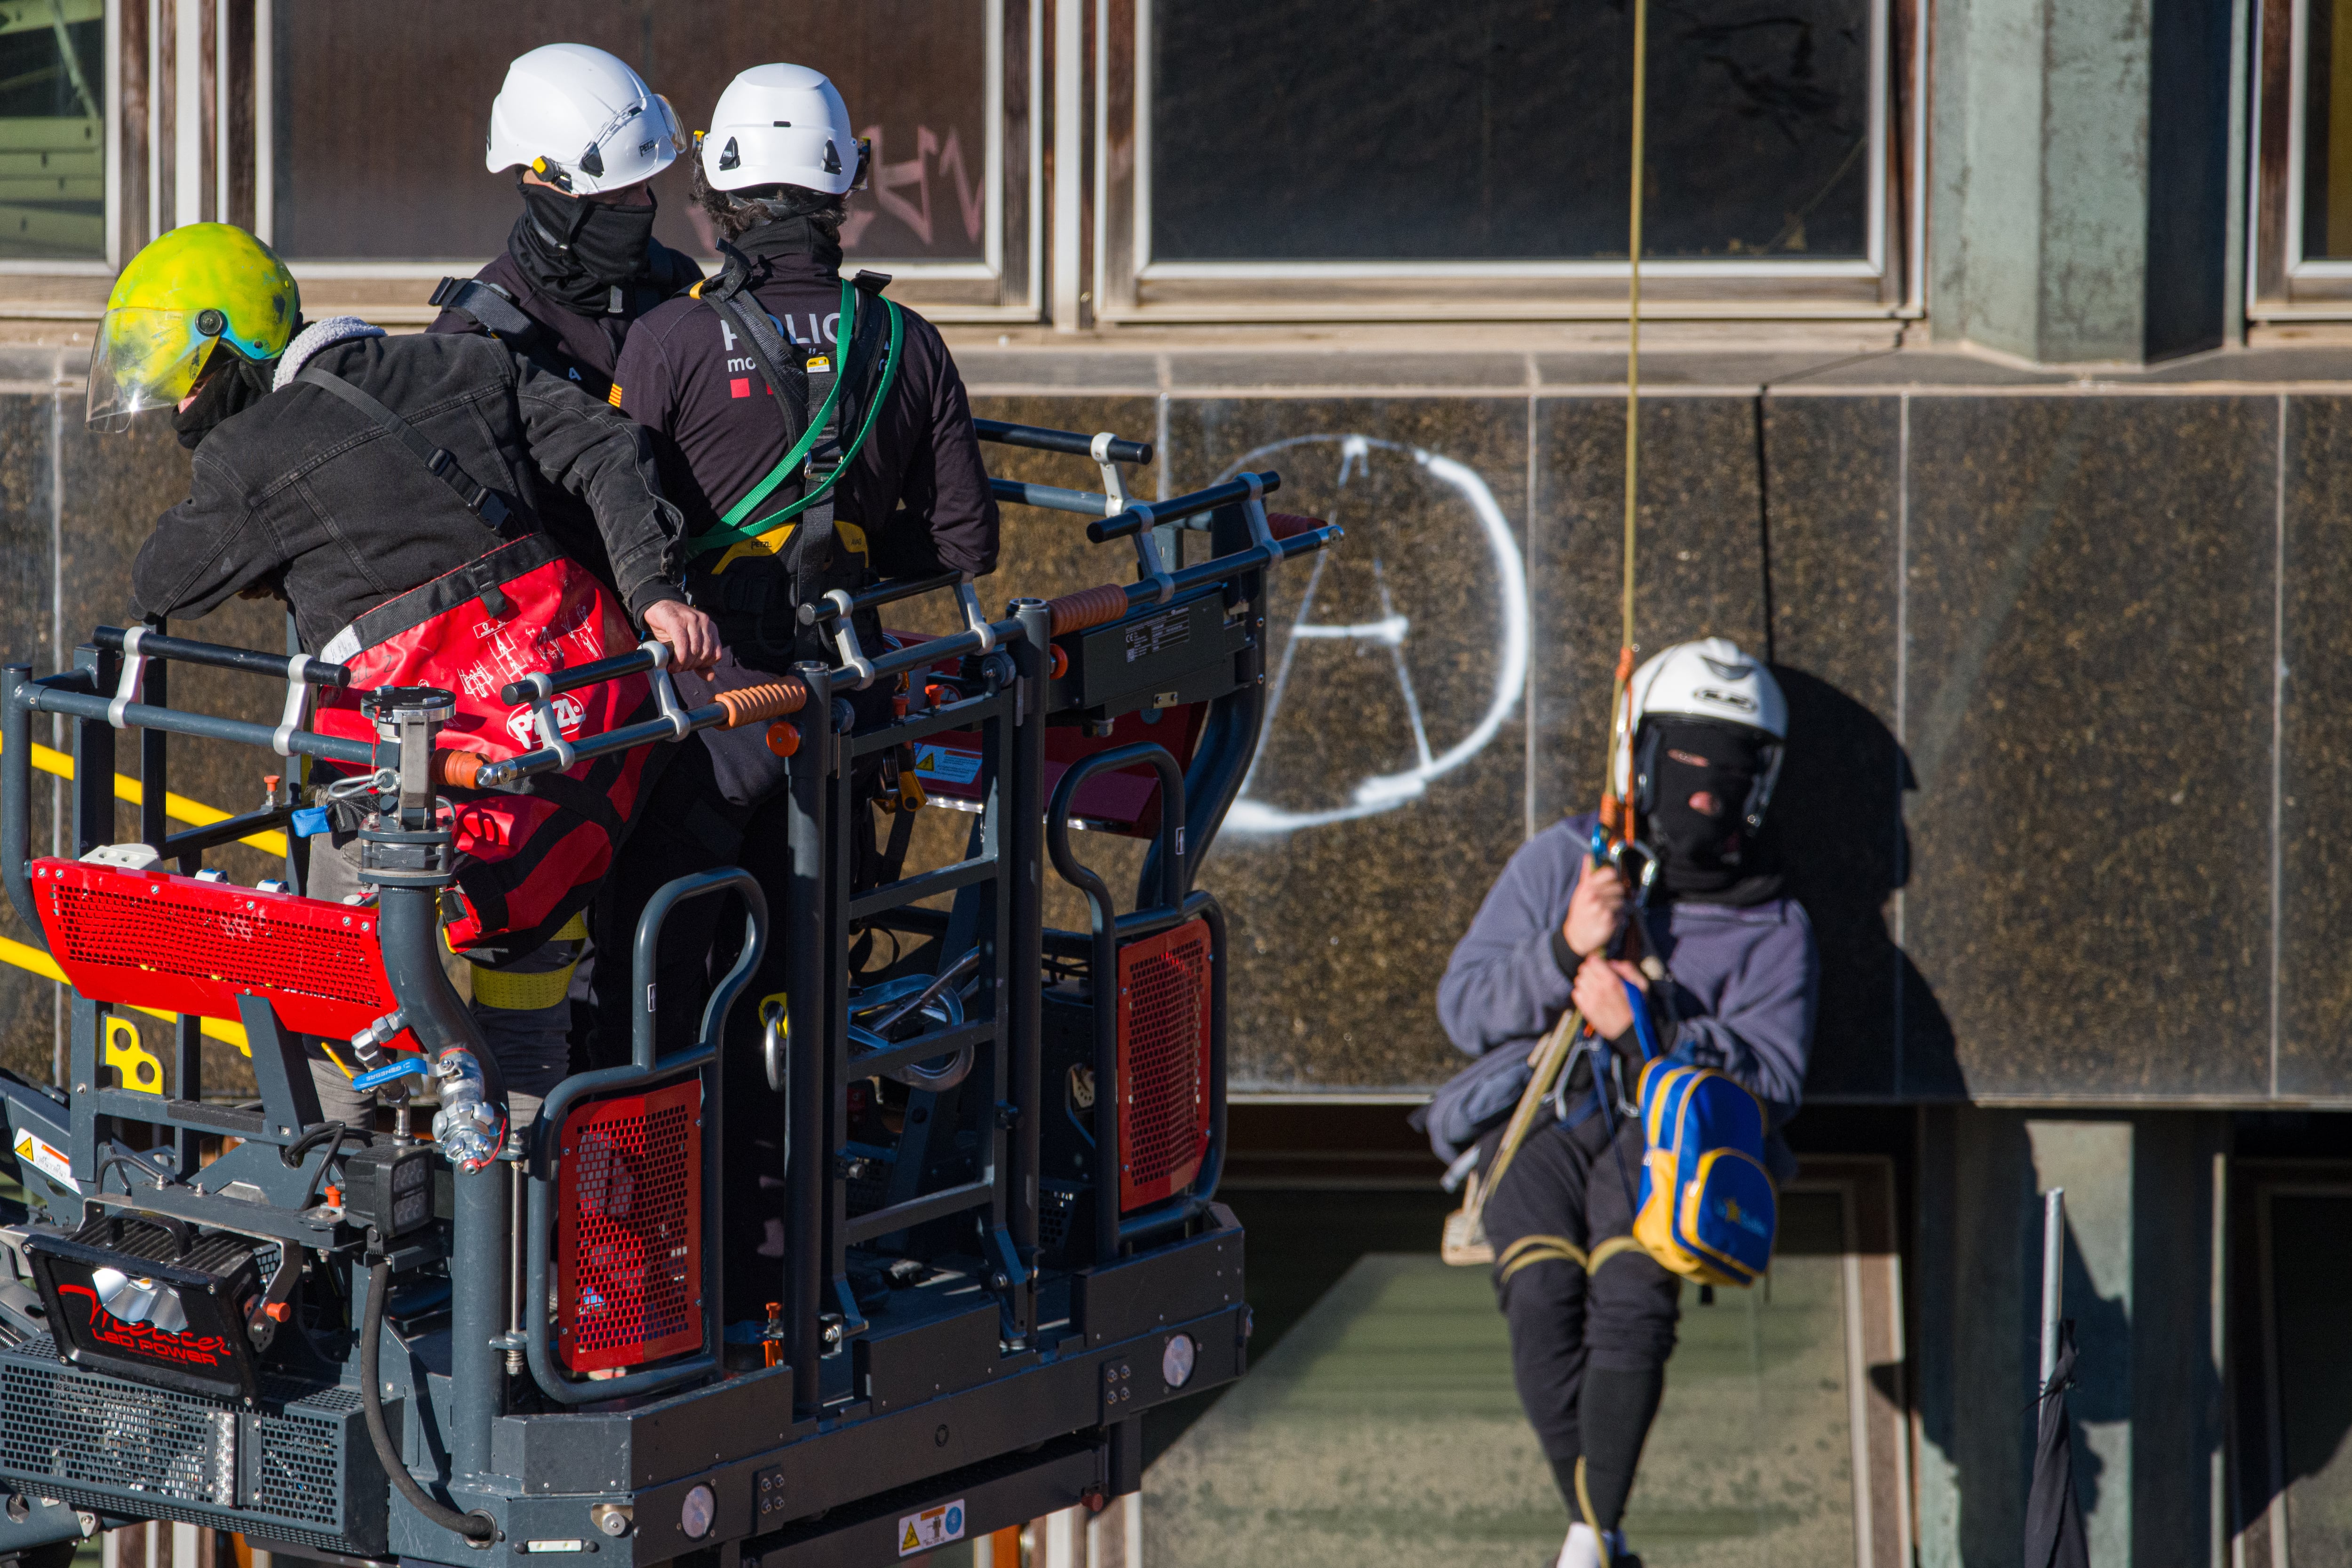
{"points": [[2144, 1273], [2081, 176]]}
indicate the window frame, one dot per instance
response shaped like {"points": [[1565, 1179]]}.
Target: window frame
{"points": [[1129, 286], [1005, 285], [2282, 284]]}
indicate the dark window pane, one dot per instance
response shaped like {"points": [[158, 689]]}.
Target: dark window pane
{"points": [[1500, 130], [2311, 1277], [53, 130], [387, 162], [2328, 130]]}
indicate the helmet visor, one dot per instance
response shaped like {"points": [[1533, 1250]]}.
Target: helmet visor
{"points": [[146, 359]]}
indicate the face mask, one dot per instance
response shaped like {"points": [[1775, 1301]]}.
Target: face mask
{"points": [[228, 389], [578, 251], [1702, 776]]}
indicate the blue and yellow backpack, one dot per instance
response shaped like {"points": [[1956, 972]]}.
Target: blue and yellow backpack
{"points": [[1707, 1209]]}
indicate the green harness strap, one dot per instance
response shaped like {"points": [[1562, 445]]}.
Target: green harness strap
{"points": [[732, 529]]}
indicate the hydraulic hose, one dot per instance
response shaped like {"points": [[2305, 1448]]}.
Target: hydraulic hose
{"points": [[477, 1527]]}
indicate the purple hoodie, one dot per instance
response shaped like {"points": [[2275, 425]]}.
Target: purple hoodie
{"points": [[1746, 980]]}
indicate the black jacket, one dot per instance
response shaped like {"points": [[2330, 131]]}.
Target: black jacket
{"points": [[917, 489], [305, 494], [580, 349]]}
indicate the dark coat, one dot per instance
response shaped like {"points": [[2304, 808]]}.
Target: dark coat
{"points": [[302, 493], [916, 489]]}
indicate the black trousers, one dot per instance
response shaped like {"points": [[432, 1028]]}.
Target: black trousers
{"points": [[690, 826], [1569, 1193]]}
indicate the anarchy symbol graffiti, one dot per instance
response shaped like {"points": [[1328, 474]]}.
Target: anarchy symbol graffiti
{"points": [[1274, 805]]}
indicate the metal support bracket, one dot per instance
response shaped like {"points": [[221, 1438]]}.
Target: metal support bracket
{"points": [[665, 690], [975, 621], [297, 701], [1149, 567], [844, 640], [134, 670]]}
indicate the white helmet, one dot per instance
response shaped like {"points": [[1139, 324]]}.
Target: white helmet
{"points": [[1712, 681], [783, 125], [583, 120]]}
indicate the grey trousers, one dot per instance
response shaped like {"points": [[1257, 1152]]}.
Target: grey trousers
{"points": [[531, 1043]]}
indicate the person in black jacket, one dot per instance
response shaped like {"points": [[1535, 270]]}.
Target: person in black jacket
{"points": [[585, 137], [297, 492], [814, 442]]}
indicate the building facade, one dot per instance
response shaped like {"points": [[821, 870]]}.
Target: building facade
{"points": [[1996, 385]]}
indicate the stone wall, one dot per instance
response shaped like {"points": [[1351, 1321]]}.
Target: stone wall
{"points": [[2066, 755]]}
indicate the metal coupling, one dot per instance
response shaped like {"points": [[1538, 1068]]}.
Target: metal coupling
{"points": [[469, 1128]]}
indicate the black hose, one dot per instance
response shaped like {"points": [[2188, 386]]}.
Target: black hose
{"points": [[477, 1527], [331, 1133]]}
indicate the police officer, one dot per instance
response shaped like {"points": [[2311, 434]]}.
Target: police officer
{"points": [[1593, 1315], [816, 435], [586, 136], [311, 481]]}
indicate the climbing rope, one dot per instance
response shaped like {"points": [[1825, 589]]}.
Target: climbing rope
{"points": [[1465, 1241], [1614, 814]]}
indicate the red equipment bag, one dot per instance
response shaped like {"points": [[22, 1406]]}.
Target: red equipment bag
{"points": [[528, 860]]}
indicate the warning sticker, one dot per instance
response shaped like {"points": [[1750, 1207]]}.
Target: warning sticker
{"points": [[1157, 634], [50, 1161], [954, 767], [932, 1527]]}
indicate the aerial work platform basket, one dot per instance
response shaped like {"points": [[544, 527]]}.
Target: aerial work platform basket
{"points": [[996, 1145]]}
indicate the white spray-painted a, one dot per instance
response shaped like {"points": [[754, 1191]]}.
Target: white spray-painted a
{"points": [[1386, 791]]}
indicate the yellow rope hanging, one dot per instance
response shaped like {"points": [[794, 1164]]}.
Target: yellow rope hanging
{"points": [[1614, 815]]}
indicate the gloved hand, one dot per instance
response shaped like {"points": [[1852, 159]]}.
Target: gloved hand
{"points": [[468, 1127]]}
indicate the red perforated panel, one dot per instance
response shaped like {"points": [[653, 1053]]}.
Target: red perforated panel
{"points": [[628, 1243], [1163, 1063], [151, 939]]}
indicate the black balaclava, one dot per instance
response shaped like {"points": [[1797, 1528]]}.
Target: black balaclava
{"points": [[578, 252], [230, 387], [1712, 856]]}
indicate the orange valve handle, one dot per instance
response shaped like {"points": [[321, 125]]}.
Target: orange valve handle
{"points": [[1088, 607], [784, 739], [1290, 525], [752, 704], [1061, 662], [457, 769]]}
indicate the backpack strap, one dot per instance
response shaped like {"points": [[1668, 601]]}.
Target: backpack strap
{"points": [[489, 305], [479, 499]]}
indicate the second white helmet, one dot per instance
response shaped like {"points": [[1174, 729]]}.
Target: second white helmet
{"points": [[581, 119], [783, 125], [1716, 682]]}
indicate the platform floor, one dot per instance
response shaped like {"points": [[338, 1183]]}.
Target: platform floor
{"points": [[1382, 1429]]}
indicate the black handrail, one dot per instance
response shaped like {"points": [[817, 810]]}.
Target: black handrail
{"points": [[1118, 449]]}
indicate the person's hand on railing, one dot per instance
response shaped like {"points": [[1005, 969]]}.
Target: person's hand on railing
{"points": [[692, 636]]}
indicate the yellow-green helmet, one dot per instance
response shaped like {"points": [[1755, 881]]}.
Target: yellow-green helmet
{"points": [[199, 285]]}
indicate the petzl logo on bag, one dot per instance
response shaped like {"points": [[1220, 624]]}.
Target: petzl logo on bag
{"points": [[569, 712]]}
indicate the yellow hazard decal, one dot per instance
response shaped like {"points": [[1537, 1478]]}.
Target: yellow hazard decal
{"points": [[932, 1528], [50, 1162], [614, 397]]}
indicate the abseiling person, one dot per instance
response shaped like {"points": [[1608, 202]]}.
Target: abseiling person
{"points": [[1591, 1324], [817, 437], [585, 137], [350, 474]]}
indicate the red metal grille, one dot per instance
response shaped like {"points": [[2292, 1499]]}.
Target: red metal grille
{"points": [[157, 940], [629, 1240], [1163, 1063]]}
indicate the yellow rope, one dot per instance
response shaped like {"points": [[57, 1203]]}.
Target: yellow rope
{"points": [[1618, 735], [1584, 1498]]}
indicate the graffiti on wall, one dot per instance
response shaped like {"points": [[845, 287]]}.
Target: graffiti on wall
{"points": [[1481, 638], [903, 191]]}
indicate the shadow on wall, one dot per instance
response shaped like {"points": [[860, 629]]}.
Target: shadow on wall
{"points": [[1839, 812]]}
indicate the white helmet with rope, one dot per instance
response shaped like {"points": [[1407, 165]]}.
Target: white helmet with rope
{"points": [[783, 125], [1712, 681], [582, 121]]}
